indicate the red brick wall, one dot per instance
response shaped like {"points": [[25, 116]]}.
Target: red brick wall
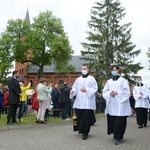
{"points": [[51, 77]]}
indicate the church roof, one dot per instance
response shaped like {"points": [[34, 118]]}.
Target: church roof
{"points": [[76, 61]]}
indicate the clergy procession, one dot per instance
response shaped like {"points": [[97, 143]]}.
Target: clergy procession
{"points": [[87, 101], [116, 92]]}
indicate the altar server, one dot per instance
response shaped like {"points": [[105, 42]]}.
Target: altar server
{"points": [[116, 92], [141, 94], [84, 89]]}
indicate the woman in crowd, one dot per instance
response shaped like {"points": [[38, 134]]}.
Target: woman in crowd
{"points": [[35, 103], [23, 99], [48, 104], [42, 97], [5, 97]]}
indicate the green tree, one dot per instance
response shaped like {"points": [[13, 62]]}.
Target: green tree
{"points": [[41, 43], [109, 41], [6, 58]]}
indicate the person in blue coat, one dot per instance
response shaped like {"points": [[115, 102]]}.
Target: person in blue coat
{"points": [[55, 100]]}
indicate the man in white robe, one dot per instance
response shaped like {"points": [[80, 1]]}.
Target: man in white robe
{"points": [[116, 92], [84, 89], [141, 94]]}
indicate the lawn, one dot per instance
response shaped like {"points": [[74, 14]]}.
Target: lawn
{"points": [[29, 118]]}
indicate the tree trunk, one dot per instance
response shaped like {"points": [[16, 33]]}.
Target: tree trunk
{"points": [[41, 71]]}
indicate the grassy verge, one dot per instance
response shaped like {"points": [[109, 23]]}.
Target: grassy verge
{"points": [[30, 119]]}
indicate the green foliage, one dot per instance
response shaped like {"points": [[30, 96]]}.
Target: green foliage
{"points": [[5, 57], [109, 41], [41, 43]]}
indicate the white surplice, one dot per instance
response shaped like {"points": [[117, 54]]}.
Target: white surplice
{"points": [[143, 102], [84, 100], [118, 105]]}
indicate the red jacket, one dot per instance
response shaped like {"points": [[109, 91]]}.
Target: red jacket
{"points": [[5, 102]]}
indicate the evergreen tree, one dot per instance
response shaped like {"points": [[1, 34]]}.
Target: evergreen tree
{"points": [[109, 41]]}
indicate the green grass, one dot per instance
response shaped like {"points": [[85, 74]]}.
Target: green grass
{"points": [[29, 119]]}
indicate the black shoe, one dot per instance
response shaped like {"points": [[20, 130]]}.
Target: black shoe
{"points": [[117, 142], [43, 122], [37, 121], [145, 125], [9, 123], [84, 137]]}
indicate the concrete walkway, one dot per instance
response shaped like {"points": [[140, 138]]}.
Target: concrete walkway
{"points": [[62, 137]]}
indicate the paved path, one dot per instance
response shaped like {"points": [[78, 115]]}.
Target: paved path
{"points": [[61, 137]]}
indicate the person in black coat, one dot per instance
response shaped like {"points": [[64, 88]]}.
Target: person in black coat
{"points": [[13, 98], [65, 100], [55, 100]]}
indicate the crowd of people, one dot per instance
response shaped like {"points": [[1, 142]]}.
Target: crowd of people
{"points": [[116, 100], [44, 95], [59, 98]]}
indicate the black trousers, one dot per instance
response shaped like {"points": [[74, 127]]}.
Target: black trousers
{"points": [[11, 116], [84, 120], [116, 125], [141, 116], [97, 111]]}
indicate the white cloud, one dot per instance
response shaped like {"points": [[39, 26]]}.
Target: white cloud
{"points": [[75, 15]]}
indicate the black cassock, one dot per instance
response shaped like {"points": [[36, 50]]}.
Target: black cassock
{"points": [[116, 125]]}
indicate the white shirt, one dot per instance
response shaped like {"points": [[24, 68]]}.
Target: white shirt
{"points": [[143, 102], [118, 105], [84, 100]]}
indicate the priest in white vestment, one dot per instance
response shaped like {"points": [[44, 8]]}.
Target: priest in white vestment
{"points": [[116, 92], [84, 90], [141, 95]]}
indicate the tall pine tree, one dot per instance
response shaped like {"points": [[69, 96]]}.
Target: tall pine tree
{"points": [[109, 41]]}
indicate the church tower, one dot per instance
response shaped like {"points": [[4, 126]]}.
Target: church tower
{"points": [[21, 67], [27, 18]]}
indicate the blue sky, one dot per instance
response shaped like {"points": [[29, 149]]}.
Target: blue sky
{"points": [[75, 15]]}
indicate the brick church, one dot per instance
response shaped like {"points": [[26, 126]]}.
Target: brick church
{"points": [[49, 72]]}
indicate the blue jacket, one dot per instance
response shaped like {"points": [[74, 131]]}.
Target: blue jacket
{"points": [[55, 95], [1, 98]]}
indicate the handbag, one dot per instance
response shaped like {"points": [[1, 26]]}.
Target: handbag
{"points": [[75, 122]]}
